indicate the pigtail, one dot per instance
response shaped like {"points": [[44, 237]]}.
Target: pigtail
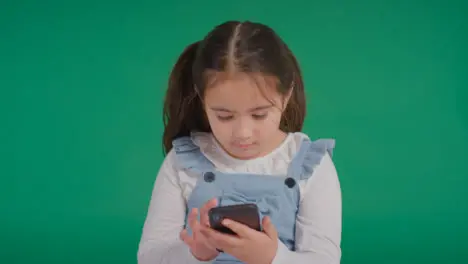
{"points": [[183, 109]]}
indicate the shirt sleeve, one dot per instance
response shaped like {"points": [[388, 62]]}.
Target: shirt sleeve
{"points": [[160, 242], [318, 224]]}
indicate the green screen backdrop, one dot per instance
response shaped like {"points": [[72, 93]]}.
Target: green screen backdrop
{"points": [[83, 81]]}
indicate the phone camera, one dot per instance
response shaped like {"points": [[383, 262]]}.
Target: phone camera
{"points": [[217, 218]]}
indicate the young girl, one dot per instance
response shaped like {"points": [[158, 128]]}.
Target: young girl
{"points": [[233, 115]]}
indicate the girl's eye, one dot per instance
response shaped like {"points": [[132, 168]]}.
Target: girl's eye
{"points": [[259, 116], [225, 118]]}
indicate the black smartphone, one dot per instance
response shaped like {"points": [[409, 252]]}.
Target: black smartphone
{"points": [[246, 214]]}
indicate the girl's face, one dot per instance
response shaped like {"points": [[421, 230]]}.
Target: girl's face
{"points": [[245, 114]]}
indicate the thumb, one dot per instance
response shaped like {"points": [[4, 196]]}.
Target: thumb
{"points": [[268, 228]]}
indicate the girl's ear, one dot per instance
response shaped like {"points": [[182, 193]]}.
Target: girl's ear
{"points": [[199, 97], [288, 96]]}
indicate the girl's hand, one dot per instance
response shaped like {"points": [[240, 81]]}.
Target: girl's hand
{"points": [[249, 246], [199, 245]]}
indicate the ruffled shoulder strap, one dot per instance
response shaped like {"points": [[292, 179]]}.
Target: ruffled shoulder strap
{"points": [[310, 155], [189, 155]]}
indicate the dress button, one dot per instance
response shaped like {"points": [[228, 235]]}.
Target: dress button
{"points": [[290, 182], [209, 176]]}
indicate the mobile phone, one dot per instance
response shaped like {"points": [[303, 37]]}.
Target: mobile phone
{"points": [[246, 214]]}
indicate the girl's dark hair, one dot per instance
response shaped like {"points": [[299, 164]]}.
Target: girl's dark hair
{"points": [[232, 46]]}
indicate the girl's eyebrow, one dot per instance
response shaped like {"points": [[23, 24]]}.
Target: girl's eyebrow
{"points": [[222, 109]]}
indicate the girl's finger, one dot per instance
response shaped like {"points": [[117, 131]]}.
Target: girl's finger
{"points": [[205, 209], [192, 218], [186, 238]]}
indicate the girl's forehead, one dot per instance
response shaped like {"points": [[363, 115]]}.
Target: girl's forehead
{"points": [[242, 92]]}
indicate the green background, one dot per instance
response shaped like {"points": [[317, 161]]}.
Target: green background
{"points": [[82, 84]]}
